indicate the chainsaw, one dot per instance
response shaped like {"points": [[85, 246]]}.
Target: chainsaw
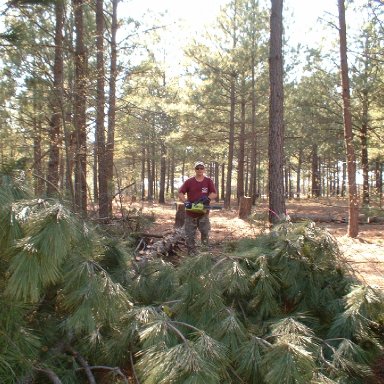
{"points": [[199, 207]]}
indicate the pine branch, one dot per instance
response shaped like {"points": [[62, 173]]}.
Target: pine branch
{"points": [[50, 374], [288, 363], [83, 362], [115, 370]]}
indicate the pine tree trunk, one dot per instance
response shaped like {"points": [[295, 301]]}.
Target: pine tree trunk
{"points": [[222, 189], [298, 174], [252, 179], [100, 114], [172, 175], [37, 155], [241, 152], [353, 225], [364, 148], [276, 114], [231, 143], [143, 160], [79, 107], [110, 146], [217, 178], [379, 179], [315, 172], [57, 105], [162, 173]]}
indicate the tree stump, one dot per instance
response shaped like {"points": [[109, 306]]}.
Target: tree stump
{"points": [[245, 207], [180, 215]]}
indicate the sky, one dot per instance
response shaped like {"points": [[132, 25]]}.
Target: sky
{"points": [[300, 18], [196, 13]]}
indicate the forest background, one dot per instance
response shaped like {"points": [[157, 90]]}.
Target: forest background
{"points": [[94, 119], [92, 110]]}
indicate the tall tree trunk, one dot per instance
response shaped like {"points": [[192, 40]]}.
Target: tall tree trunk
{"points": [[37, 155], [57, 104], [344, 180], [241, 153], [315, 191], [100, 114], [143, 159], [79, 103], [253, 160], [353, 224], [365, 161], [222, 188], [364, 129], [231, 140], [298, 173], [379, 179], [172, 175], [162, 173], [110, 146], [217, 179], [95, 174], [337, 179], [232, 101], [276, 115]]}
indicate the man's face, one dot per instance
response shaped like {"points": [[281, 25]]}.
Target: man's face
{"points": [[199, 170]]}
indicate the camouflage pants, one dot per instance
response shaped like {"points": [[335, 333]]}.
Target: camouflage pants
{"points": [[191, 225]]}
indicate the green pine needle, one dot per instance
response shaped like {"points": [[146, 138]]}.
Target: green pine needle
{"points": [[286, 363]]}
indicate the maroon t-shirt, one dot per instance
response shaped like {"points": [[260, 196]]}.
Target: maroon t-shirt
{"points": [[195, 190]]}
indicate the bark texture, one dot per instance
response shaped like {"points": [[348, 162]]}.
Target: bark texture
{"points": [[353, 227], [276, 114]]}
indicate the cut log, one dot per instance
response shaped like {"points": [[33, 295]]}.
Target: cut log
{"points": [[317, 218], [328, 218], [245, 207], [180, 216], [166, 246], [375, 219]]}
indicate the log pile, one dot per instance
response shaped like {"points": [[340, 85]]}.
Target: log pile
{"points": [[330, 218], [167, 246]]}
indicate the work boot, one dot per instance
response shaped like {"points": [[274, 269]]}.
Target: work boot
{"points": [[204, 241]]}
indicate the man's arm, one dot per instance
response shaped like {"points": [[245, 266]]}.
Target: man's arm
{"points": [[212, 195], [212, 191], [182, 197]]}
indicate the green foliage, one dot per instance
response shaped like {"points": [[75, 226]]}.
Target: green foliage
{"points": [[19, 345], [280, 308], [55, 292], [270, 303]]}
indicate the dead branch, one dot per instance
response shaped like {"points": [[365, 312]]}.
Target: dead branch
{"points": [[146, 235], [115, 370], [50, 374], [123, 189], [83, 363], [133, 368]]}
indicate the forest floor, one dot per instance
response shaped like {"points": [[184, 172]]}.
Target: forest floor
{"points": [[364, 255]]}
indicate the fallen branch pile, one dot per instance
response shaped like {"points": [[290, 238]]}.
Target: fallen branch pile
{"points": [[167, 246]]}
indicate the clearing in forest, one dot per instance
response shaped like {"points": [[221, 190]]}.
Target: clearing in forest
{"points": [[364, 255]]}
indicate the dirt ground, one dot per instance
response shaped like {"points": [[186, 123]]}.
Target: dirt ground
{"points": [[364, 254]]}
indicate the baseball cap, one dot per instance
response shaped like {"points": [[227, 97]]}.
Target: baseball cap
{"points": [[199, 163]]}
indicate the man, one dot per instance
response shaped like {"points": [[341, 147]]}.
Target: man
{"points": [[198, 189]]}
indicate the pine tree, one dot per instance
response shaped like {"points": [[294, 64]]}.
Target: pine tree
{"points": [[279, 308]]}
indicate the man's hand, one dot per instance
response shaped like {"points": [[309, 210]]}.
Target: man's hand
{"points": [[205, 200], [187, 204]]}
